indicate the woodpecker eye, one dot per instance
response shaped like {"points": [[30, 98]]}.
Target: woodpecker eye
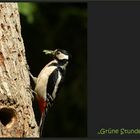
{"points": [[57, 53]]}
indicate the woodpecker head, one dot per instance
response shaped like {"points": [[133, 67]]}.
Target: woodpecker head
{"points": [[58, 54]]}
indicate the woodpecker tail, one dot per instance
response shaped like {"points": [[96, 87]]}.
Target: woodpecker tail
{"points": [[42, 121]]}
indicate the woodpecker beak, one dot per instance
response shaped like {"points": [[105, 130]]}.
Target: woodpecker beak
{"points": [[48, 52]]}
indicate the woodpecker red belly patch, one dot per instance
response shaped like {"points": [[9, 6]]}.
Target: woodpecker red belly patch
{"points": [[42, 105]]}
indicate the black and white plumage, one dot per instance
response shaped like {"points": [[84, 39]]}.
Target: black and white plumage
{"points": [[50, 80]]}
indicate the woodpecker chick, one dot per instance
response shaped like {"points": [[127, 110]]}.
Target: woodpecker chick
{"points": [[49, 81]]}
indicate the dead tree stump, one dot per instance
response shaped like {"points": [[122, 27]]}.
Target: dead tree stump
{"points": [[16, 113]]}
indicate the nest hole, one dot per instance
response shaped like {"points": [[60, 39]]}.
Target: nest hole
{"points": [[7, 116]]}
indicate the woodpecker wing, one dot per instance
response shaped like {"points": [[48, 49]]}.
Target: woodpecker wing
{"points": [[52, 81], [53, 84]]}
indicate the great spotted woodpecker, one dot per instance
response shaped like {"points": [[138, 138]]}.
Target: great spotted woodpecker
{"points": [[49, 82]]}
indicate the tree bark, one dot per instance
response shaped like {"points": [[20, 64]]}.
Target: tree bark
{"points": [[17, 118]]}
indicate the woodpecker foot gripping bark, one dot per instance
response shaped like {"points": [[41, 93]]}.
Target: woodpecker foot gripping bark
{"points": [[31, 91]]}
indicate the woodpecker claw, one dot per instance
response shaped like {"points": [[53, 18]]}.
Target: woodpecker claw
{"points": [[34, 78], [27, 66], [30, 90]]}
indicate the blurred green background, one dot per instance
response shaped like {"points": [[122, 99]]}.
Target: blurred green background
{"points": [[60, 25]]}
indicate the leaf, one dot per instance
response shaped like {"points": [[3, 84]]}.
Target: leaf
{"points": [[28, 10]]}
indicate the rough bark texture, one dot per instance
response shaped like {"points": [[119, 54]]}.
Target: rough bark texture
{"points": [[16, 114]]}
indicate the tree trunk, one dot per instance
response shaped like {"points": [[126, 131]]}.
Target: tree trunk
{"points": [[16, 113]]}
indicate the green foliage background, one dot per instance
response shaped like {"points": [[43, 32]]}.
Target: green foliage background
{"points": [[60, 25]]}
